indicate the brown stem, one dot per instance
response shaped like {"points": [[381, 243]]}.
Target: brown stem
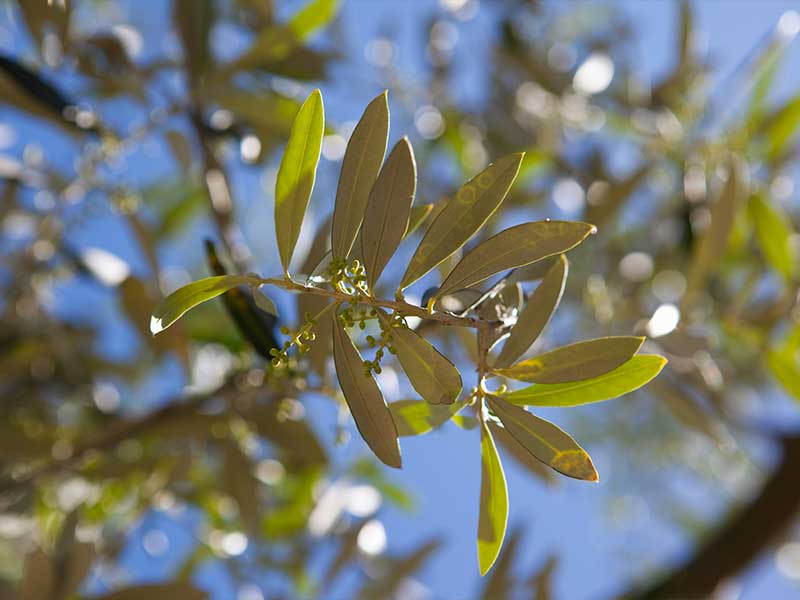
{"points": [[741, 540]]}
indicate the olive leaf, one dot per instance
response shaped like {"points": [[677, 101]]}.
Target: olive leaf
{"points": [[514, 247], [493, 512], [174, 306], [363, 396], [575, 362], [544, 440], [360, 166], [415, 417], [626, 378], [386, 216], [431, 374], [462, 216], [264, 302], [312, 17], [296, 174], [511, 446], [773, 232], [536, 314]]}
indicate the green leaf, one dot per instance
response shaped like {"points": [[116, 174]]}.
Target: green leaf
{"points": [[781, 125], [493, 513], [463, 216], [174, 306], [624, 379], [514, 247], [773, 231], [575, 362], [711, 246], [415, 417], [296, 174], [363, 396], [544, 440], [313, 16], [509, 445], [782, 362], [264, 302], [360, 166], [536, 314], [430, 373], [388, 208]]}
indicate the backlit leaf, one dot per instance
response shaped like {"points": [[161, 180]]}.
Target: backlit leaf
{"points": [[575, 362], [184, 299], [509, 445], [624, 379], [369, 410], [431, 374], [537, 313], [313, 16], [544, 440], [463, 215], [360, 166], [388, 208], [415, 417], [296, 174], [774, 232], [493, 512], [514, 247]]}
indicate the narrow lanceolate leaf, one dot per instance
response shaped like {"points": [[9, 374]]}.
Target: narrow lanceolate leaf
{"points": [[712, 245], [313, 16], [430, 373], [388, 209], [360, 166], [369, 410], [493, 513], [544, 440], [415, 417], [575, 362], [514, 247], [463, 215], [180, 301], [774, 232], [537, 312], [264, 302], [624, 379], [297, 173]]}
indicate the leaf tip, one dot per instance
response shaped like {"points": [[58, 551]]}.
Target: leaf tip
{"points": [[156, 325]]}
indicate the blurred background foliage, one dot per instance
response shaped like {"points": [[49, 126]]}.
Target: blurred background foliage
{"points": [[176, 466]]}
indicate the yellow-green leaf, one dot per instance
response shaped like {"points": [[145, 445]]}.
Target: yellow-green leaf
{"points": [[363, 396], [624, 379], [545, 441], [430, 373], [296, 174], [536, 314], [575, 362], [360, 166], [415, 417], [463, 215], [174, 306], [514, 247], [493, 513], [388, 208], [774, 232], [312, 17]]}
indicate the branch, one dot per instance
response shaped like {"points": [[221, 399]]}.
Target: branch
{"points": [[741, 540]]}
